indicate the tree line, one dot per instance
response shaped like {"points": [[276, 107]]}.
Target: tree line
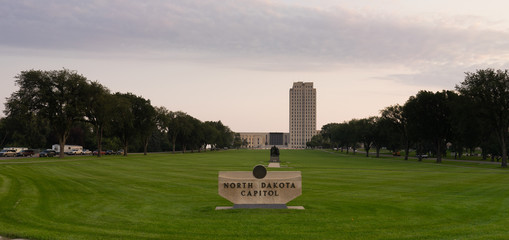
{"points": [[474, 115], [64, 107]]}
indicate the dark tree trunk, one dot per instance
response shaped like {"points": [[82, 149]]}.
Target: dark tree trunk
{"points": [[504, 152], [439, 151], [125, 147], [145, 147], [99, 141], [173, 141], [61, 142], [407, 150], [502, 138]]}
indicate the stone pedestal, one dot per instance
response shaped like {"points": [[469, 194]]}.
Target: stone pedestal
{"points": [[274, 165]]}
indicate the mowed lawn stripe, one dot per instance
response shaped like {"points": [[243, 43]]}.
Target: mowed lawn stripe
{"points": [[173, 196]]}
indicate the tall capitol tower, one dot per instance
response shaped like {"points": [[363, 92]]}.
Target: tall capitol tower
{"points": [[302, 114]]}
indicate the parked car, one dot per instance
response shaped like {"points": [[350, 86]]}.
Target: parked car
{"points": [[8, 153], [48, 153], [87, 152], [102, 152], [25, 153], [120, 152], [75, 152], [110, 152]]}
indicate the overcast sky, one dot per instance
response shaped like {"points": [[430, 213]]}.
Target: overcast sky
{"points": [[235, 60]]}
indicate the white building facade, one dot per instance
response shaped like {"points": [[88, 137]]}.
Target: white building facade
{"points": [[264, 140], [302, 114]]}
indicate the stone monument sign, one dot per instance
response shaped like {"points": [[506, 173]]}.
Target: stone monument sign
{"points": [[260, 188]]}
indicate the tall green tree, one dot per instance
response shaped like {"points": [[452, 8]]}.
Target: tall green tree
{"points": [[339, 135], [176, 126], [384, 134], [466, 124], [25, 128], [366, 129], [225, 135], [428, 119], [191, 134], [99, 111], [123, 120], [4, 131], [316, 141], [353, 133], [135, 119], [490, 89], [163, 121], [56, 96], [211, 134], [326, 132], [237, 141], [144, 119], [399, 121]]}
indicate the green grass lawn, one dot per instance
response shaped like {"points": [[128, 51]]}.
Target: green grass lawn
{"points": [[166, 196]]}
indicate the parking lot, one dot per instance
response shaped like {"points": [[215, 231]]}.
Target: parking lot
{"points": [[37, 156]]}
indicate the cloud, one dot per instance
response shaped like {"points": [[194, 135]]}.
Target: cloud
{"points": [[266, 32]]}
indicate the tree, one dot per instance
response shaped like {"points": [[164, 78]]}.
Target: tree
{"points": [[326, 133], [176, 121], [4, 133], [56, 96], [135, 119], [163, 121], [467, 128], [191, 134], [24, 128], [317, 141], [225, 135], [211, 134], [237, 141], [399, 121], [144, 119], [99, 110], [490, 89], [352, 134], [384, 132], [339, 135], [366, 131], [123, 119], [428, 119]]}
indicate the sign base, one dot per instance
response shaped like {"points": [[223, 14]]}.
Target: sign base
{"points": [[271, 206], [258, 206]]}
